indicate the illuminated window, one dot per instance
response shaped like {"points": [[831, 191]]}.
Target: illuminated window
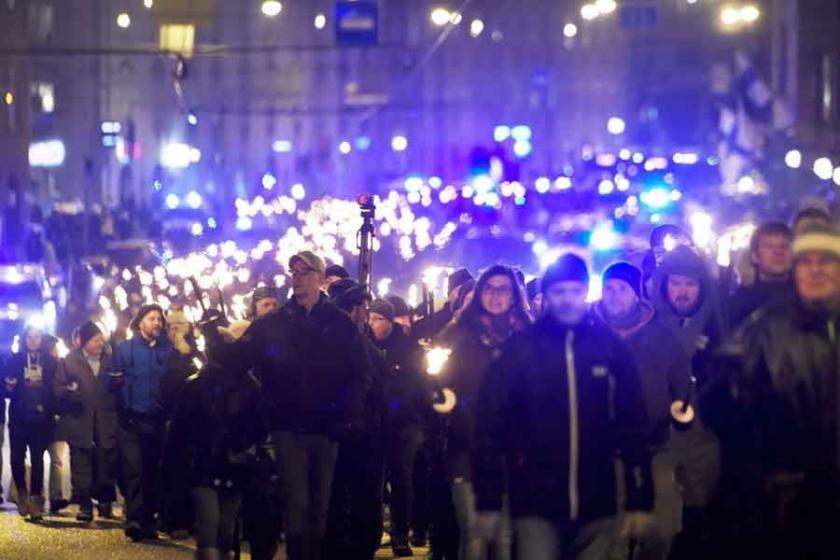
{"points": [[177, 38]]}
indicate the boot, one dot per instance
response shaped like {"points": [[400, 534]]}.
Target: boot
{"points": [[207, 554], [23, 504], [399, 544], [106, 510], [36, 511]]}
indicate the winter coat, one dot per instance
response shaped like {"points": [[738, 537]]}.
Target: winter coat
{"points": [[431, 326], [463, 374], [406, 390], [664, 368], [30, 401], [748, 299], [217, 429], [313, 368], [91, 408], [555, 409], [787, 386], [142, 365]]}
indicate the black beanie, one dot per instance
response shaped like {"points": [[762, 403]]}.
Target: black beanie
{"points": [[568, 268], [401, 308], [626, 272], [384, 308], [87, 332], [336, 270]]}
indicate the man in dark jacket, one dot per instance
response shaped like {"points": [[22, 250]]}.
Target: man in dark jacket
{"points": [[557, 405], [139, 364], [665, 375], [408, 398], [788, 389], [686, 300], [313, 369], [89, 421], [430, 326], [28, 385], [771, 257]]}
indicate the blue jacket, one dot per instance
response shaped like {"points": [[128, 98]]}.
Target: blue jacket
{"points": [[143, 366]]}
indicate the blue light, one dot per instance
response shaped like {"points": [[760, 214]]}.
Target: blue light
{"points": [[172, 201], [522, 133], [268, 181], [501, 133], [194, 200], [157, 185], [656, 198], [282, 146], [362, 143], [211, 223], [192, 119], [197, 229], [483, 184], [244, 223], [522, 148], [519, 201], [604, 237]]}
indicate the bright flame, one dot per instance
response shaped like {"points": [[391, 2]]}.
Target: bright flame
{"points": [[436, 358]]}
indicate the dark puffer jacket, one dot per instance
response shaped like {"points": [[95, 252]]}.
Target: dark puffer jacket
{"points": [[406, 390], [31, 400], [313, 368], [556, 408]]}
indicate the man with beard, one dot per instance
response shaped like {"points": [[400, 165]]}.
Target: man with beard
{"points": [[687, 302], [140, 363], [665, 376]]}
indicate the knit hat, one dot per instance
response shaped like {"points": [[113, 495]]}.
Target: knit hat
{"points": [[401, 308], [336, 270], [818, 237], [347, 294], [459, 278], [384, 308], [568, 268], [87, 331], [310, 259], [626, 272], [145, 310], [263, 292]]}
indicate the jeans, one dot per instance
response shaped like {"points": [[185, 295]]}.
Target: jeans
{"points": [[35, 435], [57, 449], [667, 510], [541, 539], [474, 545], [140, 451], [306, 465], [216, 512], [92, 472], [400, 457]]}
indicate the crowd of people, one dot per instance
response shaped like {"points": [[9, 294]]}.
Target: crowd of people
{"points": [[670, 419]]}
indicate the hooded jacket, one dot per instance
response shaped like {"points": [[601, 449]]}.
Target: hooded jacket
{"points": [[664, 367], [554, 409], [30, 401]]}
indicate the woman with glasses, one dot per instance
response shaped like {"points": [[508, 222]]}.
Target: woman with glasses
{"points": [[496, 310]]}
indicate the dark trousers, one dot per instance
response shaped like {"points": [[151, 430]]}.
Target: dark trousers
{"points": [[306, 464], [262, 520], [216, 512], [401, 454], [92, 473], [420, 510], [35, 434], [140, 451]]}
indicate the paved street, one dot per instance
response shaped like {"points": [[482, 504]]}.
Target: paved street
{"points": [[63, 537]]}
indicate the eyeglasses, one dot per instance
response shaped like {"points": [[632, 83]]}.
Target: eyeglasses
{"points": [[500, 291], [301, 272]]}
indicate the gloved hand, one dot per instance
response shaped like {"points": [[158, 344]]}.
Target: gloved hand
{"points": [[487, 524], [637, 525]]}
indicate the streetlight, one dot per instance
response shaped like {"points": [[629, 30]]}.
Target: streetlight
{"points": [[589, 12], [570, 30], [271, 8], [476, 27], [123, 20], [440, 17], [793, 159], [320, 21], [399, 143], [616, 125]]}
